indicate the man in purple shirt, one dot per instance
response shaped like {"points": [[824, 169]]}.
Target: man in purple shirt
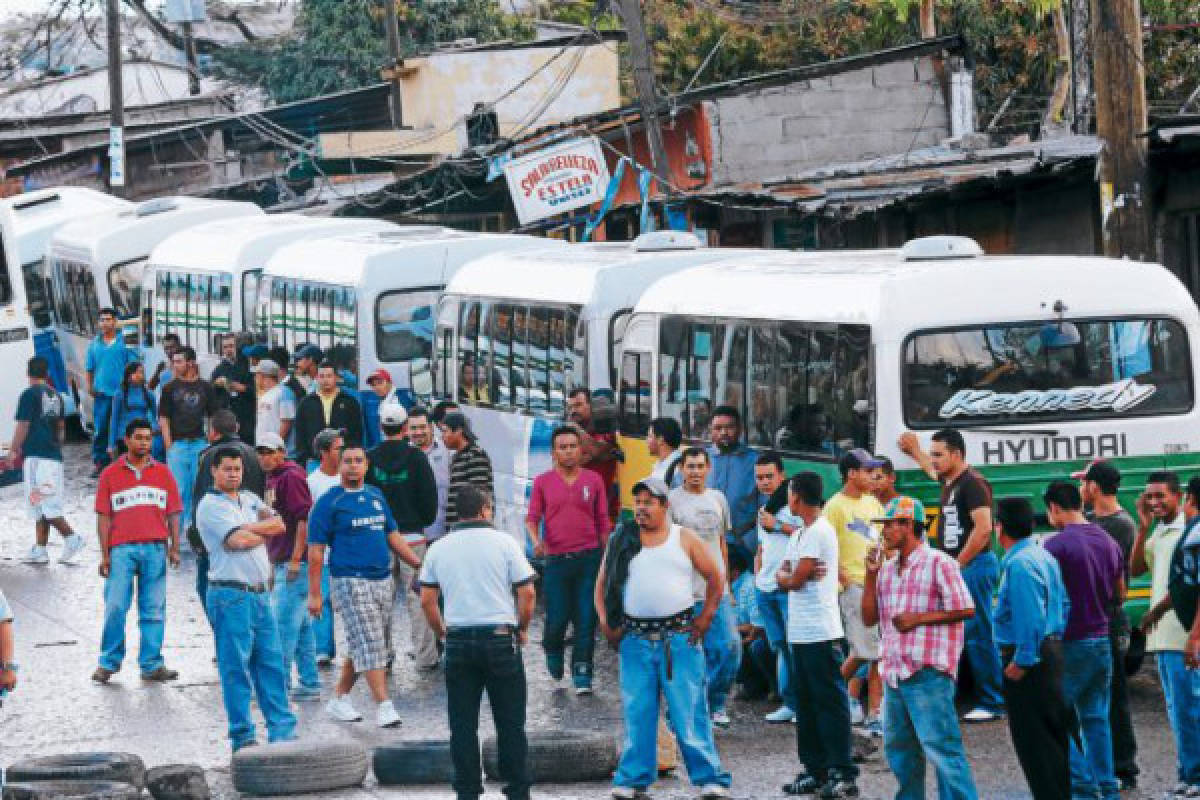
{"points": [[1091, 565], [288, 494], [568, 524]]}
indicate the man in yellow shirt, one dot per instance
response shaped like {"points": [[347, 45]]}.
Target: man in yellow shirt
{"points": [[851, 511]]}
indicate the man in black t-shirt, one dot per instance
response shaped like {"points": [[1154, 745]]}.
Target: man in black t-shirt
{"points": [[187, 403], [234, 386], [964, 531]]}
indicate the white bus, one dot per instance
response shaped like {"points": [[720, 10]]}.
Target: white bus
{"points": [[1042, 362], [16, 335], [38, 215], [518, 331], [100, 261], [371, 297], [225, 257]]}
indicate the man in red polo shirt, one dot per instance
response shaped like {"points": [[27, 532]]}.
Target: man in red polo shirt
{"points": [[137, 510]]}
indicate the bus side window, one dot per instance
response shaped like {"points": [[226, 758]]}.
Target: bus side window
{"points": [[520, 358], [633, 408], [468, 332], [575, 334], [501, 372], [35, 290], [539, 360], [761, 414]]}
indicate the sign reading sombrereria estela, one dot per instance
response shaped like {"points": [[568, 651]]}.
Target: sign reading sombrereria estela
{"points": [[562, 178]]}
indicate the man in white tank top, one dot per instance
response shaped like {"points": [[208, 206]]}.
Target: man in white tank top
{"points": [[657, 634]]}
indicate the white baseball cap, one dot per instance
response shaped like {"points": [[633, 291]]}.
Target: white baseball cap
{"points": [[392, 414]]}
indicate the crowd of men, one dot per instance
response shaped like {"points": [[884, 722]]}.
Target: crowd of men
{"points": [[305, 504]]}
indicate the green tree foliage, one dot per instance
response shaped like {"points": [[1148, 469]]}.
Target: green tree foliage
{"points": [[341, 44]]}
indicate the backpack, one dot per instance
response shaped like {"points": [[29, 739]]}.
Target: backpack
{"points": [[1183, 579]]}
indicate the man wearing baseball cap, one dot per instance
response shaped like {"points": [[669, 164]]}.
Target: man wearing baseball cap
{"points": [[306, 360], [404, 476], [919, 600], [382, 393], [850, 512], [276, 407], [289, 496]]}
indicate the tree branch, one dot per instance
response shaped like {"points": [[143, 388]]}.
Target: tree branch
{"points": [[233, 19]]}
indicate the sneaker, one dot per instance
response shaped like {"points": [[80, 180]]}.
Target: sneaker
{"points": [[386, 715], [629, 793], [554, 665], [837, 788], [101, 675], [873, 727], [324, 661], [720, 719], [37, 555], [73, 546], [781, 714], [856, 712], [583, 689], [713, 791], [306, 693], [160, 674], [981, 714], [802, 786], [244, 745], [1126, 783], [340, 708], [1191, 791]]}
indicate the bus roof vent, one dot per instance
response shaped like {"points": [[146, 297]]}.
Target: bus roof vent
{"points": [[939, 248], [156, 206], [666, 240]]}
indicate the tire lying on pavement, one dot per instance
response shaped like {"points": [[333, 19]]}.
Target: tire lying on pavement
{"points": [[418, 761], [72, 790], [299, 767], [177, 782], [117, 767], [561, 756]]}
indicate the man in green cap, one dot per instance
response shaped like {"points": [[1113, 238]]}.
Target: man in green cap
{"points": [[920, 601]]}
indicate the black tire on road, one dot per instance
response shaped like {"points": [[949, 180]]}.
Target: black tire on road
{"points": [[298, 767], [116, 767], [418, 762], [561, 756], [71, 790], [177, 782]]}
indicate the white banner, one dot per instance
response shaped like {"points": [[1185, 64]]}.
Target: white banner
{"points": [[556, 180]]}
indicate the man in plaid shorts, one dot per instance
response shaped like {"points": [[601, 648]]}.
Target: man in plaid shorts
{"points": [[919, 600], [354, 522]]}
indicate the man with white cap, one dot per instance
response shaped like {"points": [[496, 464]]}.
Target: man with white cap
{"points": [[276, 405], [401, 471]]}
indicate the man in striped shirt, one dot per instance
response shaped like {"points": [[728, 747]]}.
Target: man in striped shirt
{"points": [[919, 601], [469, 465]]}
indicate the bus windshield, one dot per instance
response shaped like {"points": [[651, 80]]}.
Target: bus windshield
{"points": [[1040, 371]]}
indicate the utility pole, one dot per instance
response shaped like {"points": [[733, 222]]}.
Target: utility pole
{"points": [[1120, 82], [189, 53], [393, 37], [116, 101], [643, 81]]}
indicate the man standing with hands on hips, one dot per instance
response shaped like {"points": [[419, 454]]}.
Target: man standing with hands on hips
{"points": [[476, 569]]}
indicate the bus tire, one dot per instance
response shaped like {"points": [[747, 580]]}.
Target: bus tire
{"points": [[420, 761], [74, 790], [299, 767], [561, 756], [112, 767], [177, 782]]}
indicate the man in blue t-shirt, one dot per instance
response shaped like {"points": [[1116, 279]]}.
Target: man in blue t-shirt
{"points": [[107, 356], [37, 447], [354, 522]]}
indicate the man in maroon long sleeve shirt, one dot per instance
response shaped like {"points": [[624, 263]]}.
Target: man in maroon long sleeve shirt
{"points": [[288, 494], [568, 523]]}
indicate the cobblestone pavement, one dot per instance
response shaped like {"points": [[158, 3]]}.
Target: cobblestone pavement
{"points": [[58, 709]]}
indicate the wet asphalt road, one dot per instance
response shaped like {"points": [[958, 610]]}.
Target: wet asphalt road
{"points": [[58, 709]]}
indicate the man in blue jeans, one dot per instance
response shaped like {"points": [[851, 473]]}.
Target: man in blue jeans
{"points": [[644, 604], [964, 531], [137, 509], [775, 528], [1093, 574], [288, 495], [107, 356], [187, 403], [235, 526], [919, 600]]}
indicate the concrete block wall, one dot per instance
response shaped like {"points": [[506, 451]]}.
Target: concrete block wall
{"points": [[867, 113]]}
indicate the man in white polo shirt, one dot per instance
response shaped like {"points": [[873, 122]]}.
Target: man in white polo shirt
{"points": [[475, 567]]}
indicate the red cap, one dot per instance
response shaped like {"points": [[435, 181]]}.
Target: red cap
{"points": [[380, 374], [1079, 475]]}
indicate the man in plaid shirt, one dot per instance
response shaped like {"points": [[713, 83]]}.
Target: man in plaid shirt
{"points": [[920, 601]]}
